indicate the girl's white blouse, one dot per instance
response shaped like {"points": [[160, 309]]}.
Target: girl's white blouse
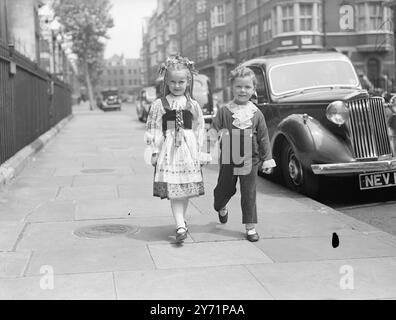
{"points": [[154, 135]]}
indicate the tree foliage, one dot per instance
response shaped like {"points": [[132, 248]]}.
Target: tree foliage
{"points": [[86, 22]]}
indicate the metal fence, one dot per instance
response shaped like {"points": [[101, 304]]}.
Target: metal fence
{"points": [[31, 102]]}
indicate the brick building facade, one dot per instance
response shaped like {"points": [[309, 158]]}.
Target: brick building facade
{"points": [[121, 73], [219, 34]]}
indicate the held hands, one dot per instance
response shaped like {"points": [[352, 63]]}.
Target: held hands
{"points": [[154, 159], [268, 166]]}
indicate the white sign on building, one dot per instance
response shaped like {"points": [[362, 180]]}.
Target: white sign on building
{"points": [[346, 18]]}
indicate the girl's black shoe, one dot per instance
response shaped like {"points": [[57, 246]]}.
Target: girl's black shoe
{"points": [[182, 235]]}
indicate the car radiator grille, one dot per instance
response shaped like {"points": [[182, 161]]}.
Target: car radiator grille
{"points": [[368, 128]]}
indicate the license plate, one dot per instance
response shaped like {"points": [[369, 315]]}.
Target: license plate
{"points": [[377, 180]]}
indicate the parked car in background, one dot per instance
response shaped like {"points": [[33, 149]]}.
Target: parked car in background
{"points": [[109, 100], [202, 93], [322, 123], [146, 96]]}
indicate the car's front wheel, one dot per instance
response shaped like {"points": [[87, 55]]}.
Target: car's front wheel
{"points": [[297, 177]]}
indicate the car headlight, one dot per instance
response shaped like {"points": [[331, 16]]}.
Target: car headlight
{"points": [[337, 112]]}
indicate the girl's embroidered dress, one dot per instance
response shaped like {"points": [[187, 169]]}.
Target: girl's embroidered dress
{"points": [[178, 138]]}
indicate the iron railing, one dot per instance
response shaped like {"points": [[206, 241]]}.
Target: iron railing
{"points": [[31, 102], [370, 139]]}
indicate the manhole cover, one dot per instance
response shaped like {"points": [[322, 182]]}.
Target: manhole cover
{"points": [[104, 230], [96, 170]]}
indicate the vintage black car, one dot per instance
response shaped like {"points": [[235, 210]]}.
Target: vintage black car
{"points": [[322, 123], [146, 96], [109, 99]]}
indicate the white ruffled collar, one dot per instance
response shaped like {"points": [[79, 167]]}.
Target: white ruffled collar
{"points": [[242, 114], [176, 102]]}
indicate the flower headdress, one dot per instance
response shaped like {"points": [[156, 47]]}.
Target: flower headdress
{"points": [[177, 60]]}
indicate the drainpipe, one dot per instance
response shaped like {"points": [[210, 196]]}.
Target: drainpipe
{"points": [[324, 23]]}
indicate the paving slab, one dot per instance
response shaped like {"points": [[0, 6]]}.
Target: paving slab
{"points": [[14, 210], [13, 264], [89, 286], [26, 193], [53, 210], [94, 162], [206, 254], [41, 182], [145, 190], [209, 283], [87, 192], [285, 224], [122, 208], [9, 234], [92, 171], [160, 230], [111, 257], [372, 279], [104, 179], [320, 248], [60, 235], [38, 172]]}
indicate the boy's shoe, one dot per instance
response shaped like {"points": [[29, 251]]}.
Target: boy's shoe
{"points": [[182, 234], [252, 237], [223, 215]]}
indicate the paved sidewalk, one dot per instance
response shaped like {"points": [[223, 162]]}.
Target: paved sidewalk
{"points": [[82, 211]]}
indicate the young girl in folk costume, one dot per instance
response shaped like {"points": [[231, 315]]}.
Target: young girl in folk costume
{"points": [[175, 129], [242, 121]]}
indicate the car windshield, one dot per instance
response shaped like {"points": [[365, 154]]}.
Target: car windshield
{"points": [[151, 94], [299, 76], [201, 90], [110, 93]]}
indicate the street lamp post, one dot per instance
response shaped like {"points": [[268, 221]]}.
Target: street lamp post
{"points": [[393, 6]]}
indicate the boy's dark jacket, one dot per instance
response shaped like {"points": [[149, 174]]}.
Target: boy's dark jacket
{"points": [[258, 132]]}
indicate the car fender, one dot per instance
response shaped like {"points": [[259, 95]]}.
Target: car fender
{"points": [[312, 142]]}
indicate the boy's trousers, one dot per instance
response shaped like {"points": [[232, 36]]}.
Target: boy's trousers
{"points": [[226, 188]]}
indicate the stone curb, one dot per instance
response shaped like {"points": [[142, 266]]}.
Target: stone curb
{"points": [[13, 166]]}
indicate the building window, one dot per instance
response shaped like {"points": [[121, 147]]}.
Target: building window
{"points": [[122, 82], [203, 53], [173, 47], [129, 71], [202, 30], [109, 83], [306, 17], [201, 6], [361, 17], [241, 7], [219, 76], [121, 71], [114, 71], [130, 82], [172, 27], [217, 16], [218, 45], [287, 18], [242, 40], [109, 72], [254, 35], [375, 16], [267, 29]]}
